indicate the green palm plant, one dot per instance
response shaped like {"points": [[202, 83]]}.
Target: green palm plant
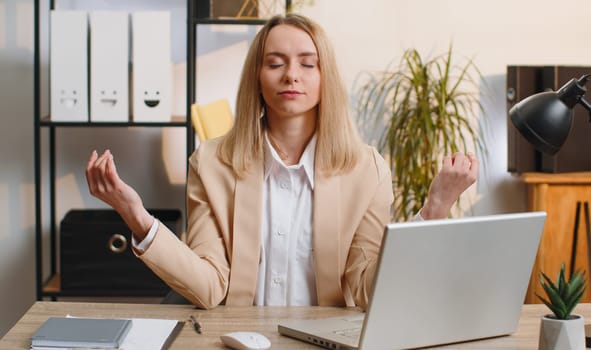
{"points": [[563, 296], [417, 113]]}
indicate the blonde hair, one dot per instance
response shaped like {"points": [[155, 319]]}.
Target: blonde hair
{"points": [[338, 143]]}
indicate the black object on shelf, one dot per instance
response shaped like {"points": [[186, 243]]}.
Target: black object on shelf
{"points": [[524, 81], [202, 9], [198, 12], [47, 279], [96, 252]]}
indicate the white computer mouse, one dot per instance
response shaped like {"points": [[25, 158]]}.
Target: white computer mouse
{"points": [[246, 341]]}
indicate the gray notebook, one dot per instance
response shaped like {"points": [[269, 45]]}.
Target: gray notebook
{"points": [[81, 332]]}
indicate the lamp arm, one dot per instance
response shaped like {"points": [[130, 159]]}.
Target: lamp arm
{"points": [[582, 81], [584, 78], [572, 92], [587, 106]]}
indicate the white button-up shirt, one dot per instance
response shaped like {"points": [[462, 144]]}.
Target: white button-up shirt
{"points": [[286, 269]]}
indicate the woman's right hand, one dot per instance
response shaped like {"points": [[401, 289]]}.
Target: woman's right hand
{"points": [[104, 183], [458, 172]]}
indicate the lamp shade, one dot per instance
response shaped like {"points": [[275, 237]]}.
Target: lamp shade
{"points": [[544, 120]]}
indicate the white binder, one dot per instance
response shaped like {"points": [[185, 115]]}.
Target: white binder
{"points": [[152, 70], [109, 66], [69, 66]]}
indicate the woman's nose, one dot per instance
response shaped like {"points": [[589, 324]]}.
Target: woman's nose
{"points": [[292, 74]]}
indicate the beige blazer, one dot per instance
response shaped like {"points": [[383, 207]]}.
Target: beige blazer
{"points": [[220, 260]]}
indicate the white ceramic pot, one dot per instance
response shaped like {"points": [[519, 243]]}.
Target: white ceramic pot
{"points": [[562, 334]]}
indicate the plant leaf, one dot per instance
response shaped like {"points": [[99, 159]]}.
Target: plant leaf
{"points": [[417, 113], [563, 296], [551, 306]]}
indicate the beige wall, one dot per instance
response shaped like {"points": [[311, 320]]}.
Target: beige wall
{"points": [[367, 36], [17, 288]]}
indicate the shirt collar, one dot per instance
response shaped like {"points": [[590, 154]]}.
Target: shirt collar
{"points": [[307, 159]]}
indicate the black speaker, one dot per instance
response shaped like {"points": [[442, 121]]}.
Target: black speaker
{"points": [[523, 81]]}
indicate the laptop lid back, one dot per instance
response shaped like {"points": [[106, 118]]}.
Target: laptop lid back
{"points": [[444, 281]]}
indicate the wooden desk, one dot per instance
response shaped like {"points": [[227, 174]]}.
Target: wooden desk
{"points": [[261, 319], [558, 194]]}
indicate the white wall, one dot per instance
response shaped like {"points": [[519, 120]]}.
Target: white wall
{"points": [[367, 36]]}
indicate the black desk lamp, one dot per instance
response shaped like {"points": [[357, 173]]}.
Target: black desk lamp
{"points": [[545, 119]]}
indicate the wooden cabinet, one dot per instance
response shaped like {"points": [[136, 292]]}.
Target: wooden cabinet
{"points": [[565, 197]]}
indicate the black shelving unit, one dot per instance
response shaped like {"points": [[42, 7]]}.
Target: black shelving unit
{"points": [[51, 287]]}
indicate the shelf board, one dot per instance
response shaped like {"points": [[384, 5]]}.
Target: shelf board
{"points": [[52, 288], [230, 21], [176, 121]]}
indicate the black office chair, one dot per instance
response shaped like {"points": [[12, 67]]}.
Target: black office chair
{"points": [[174, 298]]}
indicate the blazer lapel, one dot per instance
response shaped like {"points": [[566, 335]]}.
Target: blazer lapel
{"points": [[246, 237], [326, 240]]}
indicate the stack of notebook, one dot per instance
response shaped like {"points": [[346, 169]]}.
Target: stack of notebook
{"points": [[69, 332]]}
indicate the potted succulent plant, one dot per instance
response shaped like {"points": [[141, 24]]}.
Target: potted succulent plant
{"points": [[562, 329], [415, 114]]}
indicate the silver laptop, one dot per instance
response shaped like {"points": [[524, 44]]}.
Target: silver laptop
{"points": [[439, 282]]}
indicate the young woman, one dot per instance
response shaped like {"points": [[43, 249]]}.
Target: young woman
{"points": [[290, 206]]}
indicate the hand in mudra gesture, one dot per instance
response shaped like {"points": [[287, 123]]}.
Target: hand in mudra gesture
{"points": [[105, 184], [458, 172]]}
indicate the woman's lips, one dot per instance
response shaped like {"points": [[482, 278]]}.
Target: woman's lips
{"points": [[291, 94]]}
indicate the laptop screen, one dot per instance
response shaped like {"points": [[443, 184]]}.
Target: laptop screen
{"points": [[441, 281]]}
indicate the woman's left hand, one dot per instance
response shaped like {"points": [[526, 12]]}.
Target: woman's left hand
{"points": [[457, 174]]}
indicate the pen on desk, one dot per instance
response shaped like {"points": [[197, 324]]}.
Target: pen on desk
{"points": [[196, 324]]}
